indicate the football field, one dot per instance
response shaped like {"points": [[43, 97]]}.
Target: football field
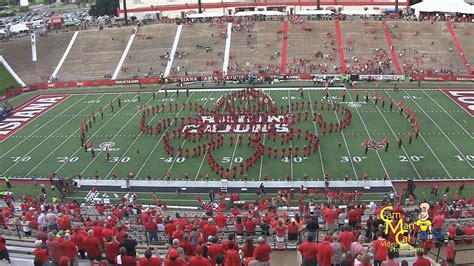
{"points": [[50, 141]]}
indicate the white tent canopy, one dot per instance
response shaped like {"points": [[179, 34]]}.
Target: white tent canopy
{"points": [[360, 12], [254, 13], [206, 15], [17, 28], [451, 6], [314, 12]]}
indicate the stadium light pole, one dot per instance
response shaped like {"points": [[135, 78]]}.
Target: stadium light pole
{"points": [[125, 11]]}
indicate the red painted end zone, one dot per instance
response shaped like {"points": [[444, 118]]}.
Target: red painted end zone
{"points": [[28, 112], [464, 98]]}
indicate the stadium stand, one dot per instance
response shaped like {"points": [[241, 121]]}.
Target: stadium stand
{"points": [[255, 47], [316, 56], [200, 50], [149, 52], [49, 50], [95, 54], [465, 33], [425, 48]]}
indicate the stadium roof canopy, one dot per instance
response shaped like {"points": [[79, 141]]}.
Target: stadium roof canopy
{"points": [[314, 12], [206, 15], [254, 13], [451, 6], [360, 12]]}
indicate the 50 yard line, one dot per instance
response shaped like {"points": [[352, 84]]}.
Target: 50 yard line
{"points": [[316, 132], [291, 141]]}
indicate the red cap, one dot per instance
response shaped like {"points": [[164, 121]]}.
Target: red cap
{"points": [[173, 253]]}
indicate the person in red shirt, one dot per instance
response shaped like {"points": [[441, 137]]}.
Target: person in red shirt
{"points": [[70, 249], [148, 260], [250, 225], [308, 250], [221, 221], [172, 259], [468, 234], [381, 249], [187, 246], [247, 250], [214, 250], [169, 229], [209, 229], [77, 238], [450, 252], [55, 248], [421, 260], [325, 252], [232, 257], [330, 217], [64, 261], [452, 232], [40, 253], [293, 231], [230, 240], [199, 260], [437, 226], [262, 252], [345, 238], [112, 247], [92, 246]]}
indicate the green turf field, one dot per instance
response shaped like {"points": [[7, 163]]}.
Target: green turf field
{"points": [[6, 80], [51, 144]]}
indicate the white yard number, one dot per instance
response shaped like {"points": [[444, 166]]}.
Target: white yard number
{"points": [[117, 159], [130, 100], [236, 160], [460, 158], [67, 159], [413, 158], [356, 159], [295, 159], [285, 98], [21, 159], [168, 100], [408, 97], [178, 160], [93, 101]]}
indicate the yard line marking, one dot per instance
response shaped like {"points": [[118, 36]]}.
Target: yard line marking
{"points": [[344, 138], [235, 144], [80, 148], [116, 134], [39, 144], [368, 134], [429, 147], [395, 135], [442, 131], [173, 51], [316, 131], [448, 114], [156, 145], [49, 121], [261, 159], [176, 157], [291, 141]]}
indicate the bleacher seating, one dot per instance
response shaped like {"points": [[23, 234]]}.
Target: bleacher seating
{"points": [[465, 34]]}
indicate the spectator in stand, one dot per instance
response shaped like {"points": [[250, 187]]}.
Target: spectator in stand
{"points": [[55, 248], [421, 260], [250, 225], [312, 226], [437, 226], [357, 247], [468, 234], [345, 238], [330, 216], [64, 261], [152, 230], [173, 259], [148, 260], [112, 247], [187, 246], [341, 218], [391, 261], [129, 245], [123, 259], [40, 253], [239, 226], [25, 226], [365, 260], [452, 231], [380, 248], [221, 221], [232, 257], [280, 232], [92, 246], [230, 240], [214, 250], [247, 250], [338, 250], [308, 250], [210, 229], [70, 249], [198, 260], [325, 252], [450, 252], [262, 252], [77, 237], [293, 230]]}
